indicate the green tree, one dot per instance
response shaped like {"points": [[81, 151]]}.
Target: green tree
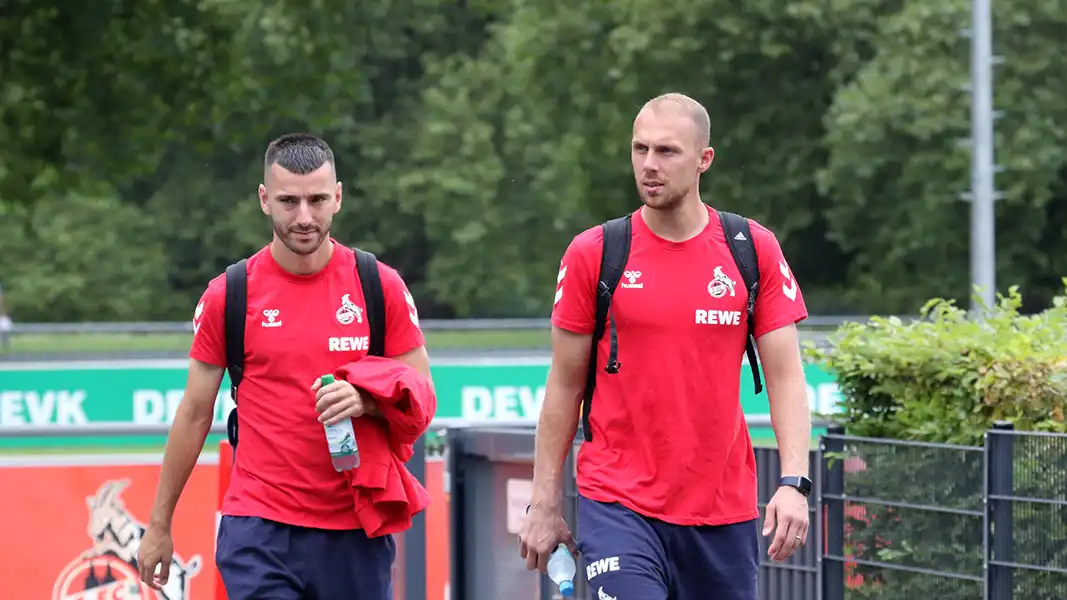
{"points": [[475, 139], [95, 95], [896, 167], [173, 107], [352, 75], [73, 260], [528, 141]]}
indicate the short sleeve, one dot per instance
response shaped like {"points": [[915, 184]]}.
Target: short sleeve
{"points": [[574, 305], [780, 302], [402, 332], [209, 338]]}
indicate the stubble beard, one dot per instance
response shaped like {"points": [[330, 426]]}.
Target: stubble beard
{"points": [[289, 239], [664, 201]]}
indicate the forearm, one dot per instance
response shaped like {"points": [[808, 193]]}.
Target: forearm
{"points": [[791, 420], [184, 443], [555, 435]]}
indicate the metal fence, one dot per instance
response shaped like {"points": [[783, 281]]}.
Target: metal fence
{"points": [[889, 519], [910, 520]]}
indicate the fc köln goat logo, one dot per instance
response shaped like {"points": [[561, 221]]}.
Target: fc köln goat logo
{"points": [[108, 570]]}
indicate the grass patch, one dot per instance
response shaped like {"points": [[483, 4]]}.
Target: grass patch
{"points": [[179, 342], [89, 343], [102, 449]]}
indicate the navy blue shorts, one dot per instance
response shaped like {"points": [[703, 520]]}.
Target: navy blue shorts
{"points": [[628, 556], [265, 560]]}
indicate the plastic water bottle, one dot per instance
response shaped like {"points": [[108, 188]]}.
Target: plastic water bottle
{"points": [[342, 440], [561, 570]]}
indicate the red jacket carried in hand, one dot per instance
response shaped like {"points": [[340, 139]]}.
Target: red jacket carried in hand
{"points": [[387, 494]]}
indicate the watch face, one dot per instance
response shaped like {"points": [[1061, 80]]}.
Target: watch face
{"points": [[801, 483]]}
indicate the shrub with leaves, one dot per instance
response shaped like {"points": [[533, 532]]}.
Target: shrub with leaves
{"points": [[946, 378]]}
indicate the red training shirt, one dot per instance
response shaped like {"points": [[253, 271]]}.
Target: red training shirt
{"points": [[298, 328], [669, 437]]}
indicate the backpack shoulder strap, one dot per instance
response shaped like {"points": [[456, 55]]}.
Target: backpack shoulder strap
{"points": [[371, 281], [234, 318], [616, 245], [739, 239]]}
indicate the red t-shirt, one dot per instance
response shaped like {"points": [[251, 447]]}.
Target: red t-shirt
{"points": [[297, 329], [669, 437]]}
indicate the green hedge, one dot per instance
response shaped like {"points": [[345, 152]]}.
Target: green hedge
{"points": [[946, 379]]}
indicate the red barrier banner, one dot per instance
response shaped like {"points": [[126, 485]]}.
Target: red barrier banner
{"points": [[72, 528]]}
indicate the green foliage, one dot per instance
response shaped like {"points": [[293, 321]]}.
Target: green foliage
{"points": [[475, 139], [67, 245], [948, 377], [99, 96], [896, 167]]}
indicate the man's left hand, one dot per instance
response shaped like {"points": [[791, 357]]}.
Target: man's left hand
{"points": [[338, 401], [789, 508]]}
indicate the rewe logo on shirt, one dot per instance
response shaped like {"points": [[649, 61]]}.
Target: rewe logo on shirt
{"points": [[349, 344], [718, 317]]}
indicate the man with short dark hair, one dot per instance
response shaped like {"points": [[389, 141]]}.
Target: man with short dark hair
{"points": [[667, 477], [292, 527]]}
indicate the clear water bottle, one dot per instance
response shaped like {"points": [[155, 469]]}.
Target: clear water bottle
{"points": [[342, 440], [561, 570]]}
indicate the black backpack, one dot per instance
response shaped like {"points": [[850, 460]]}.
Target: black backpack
{"points": [[237, 304], [617, 234]]}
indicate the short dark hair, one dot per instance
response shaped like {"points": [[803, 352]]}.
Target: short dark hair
{"points": [[299, 153]]}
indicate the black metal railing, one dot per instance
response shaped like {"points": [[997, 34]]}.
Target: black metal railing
{"points": [[890, 519], [1027, 499], [910, 520]]}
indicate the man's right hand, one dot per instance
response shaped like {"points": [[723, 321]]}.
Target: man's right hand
{"points": [[157, 550], [542, 531]]}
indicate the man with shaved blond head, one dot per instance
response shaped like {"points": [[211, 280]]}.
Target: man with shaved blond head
{"points": [[682, 104], [654, 312]]}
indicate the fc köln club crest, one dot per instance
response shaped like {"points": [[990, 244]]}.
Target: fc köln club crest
{"points": [[108, 570]]}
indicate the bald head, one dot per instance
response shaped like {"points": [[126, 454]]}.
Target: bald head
{"points": [[670, 149], [684, 105]]}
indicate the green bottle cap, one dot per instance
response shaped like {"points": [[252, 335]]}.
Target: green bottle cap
{"points": [[327, 379]]}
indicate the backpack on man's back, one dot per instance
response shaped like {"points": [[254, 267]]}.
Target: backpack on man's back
{"points": [[617, 236], [237, 308]]}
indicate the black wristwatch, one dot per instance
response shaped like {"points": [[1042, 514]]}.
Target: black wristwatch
{"points": [[801, 483]]}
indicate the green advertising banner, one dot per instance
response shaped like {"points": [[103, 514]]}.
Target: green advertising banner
{"points": [[148, 392], [507, 392]]}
